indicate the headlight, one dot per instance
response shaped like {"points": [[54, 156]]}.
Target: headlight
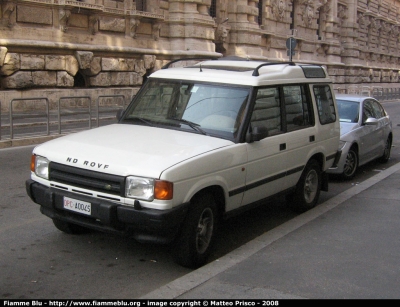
{"points": [[141, 188], [148, 189], [40, 166]]}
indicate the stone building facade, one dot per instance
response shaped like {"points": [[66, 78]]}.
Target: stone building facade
{"points": [[64, 47]]}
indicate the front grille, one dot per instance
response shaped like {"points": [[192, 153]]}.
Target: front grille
{"points": [[86, 179]]}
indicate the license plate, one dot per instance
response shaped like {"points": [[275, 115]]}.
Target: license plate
{"points": [[77, 205]]}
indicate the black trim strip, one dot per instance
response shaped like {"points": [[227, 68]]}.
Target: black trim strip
{"points": [[331, 157], [237, 191], [265, 180], [295, 170]]}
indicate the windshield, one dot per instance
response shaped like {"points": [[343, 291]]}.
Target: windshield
{"points": [[210, 109], [348, 111]]}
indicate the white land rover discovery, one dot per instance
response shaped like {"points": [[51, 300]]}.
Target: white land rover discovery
{"points": [[196, 144]]}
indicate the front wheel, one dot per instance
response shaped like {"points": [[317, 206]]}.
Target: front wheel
{"points": [[351, 164], [308, 188], [194, 243]]}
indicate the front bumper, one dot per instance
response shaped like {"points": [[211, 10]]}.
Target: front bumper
{"points": [[144, 225]]}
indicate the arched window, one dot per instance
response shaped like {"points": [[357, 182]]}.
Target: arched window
{"points": [[79, 80]]}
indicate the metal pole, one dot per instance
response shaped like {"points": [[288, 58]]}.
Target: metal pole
{"points": [[74, 97], [0, 119], [107, 96]]}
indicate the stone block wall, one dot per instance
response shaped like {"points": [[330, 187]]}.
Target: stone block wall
{"points": [[24, 71], [58, 45]]}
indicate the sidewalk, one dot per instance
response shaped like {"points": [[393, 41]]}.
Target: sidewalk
{"points": [[345, 248]]}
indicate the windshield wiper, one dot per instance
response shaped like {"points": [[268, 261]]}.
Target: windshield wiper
{"points": [[148, 122], [192, 125]]}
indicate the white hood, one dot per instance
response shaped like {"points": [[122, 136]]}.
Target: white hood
{"points": [[128, 149]]}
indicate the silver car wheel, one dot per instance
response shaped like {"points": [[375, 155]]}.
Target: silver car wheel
{"points": [[386, 153], [351, 164]]}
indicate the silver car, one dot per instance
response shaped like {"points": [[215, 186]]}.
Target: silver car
{"points": [[365, 133]]}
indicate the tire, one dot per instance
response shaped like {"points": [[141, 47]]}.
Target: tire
{"points": [[69, 228], [386, 153], [194, 243], [308, 188], [351, 164]]}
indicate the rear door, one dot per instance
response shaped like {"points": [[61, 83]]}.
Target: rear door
{"points": [[301, 135]]}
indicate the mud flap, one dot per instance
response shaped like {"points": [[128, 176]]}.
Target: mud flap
{"points": [[325, 182]]}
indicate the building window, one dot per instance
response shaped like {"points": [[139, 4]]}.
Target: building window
{"points": [[260, 12], [292, 16], [213, 9], [79, 80], [141, 5]]}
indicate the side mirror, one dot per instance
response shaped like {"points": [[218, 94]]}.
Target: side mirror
{"points": [[371, 121], [257, 134], [119, 114]]}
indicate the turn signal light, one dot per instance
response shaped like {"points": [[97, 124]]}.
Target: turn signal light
{"points": [[33, 162], [163, 190]]}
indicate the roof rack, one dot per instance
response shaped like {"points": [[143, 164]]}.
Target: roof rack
{"points": [[187, 59], [256, 72]]}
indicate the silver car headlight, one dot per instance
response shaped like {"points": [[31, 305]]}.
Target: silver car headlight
{"points": [[139, 188], [40, 166]]}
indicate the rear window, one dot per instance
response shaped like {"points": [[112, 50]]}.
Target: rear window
{"points": [[348, 111], [326, 107]]}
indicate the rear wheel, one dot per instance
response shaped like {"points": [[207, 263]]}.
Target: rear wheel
{"points": [[351, 164], [386, 153], [194, 243], [308, 188], [69, 228]]}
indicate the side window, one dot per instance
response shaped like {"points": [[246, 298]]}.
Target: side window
{"points": [[378, 110], [297, 107], [266, 115], [325, 104], [368, 110]]}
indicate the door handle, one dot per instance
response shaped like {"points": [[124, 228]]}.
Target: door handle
{"points": [[312, 138], [282, 146]]}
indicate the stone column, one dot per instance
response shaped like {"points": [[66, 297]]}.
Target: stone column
{"points": [[191, 28], [245, 33], [349, 32]]}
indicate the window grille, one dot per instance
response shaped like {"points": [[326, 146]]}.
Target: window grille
{"points": [[213, 8], [141, 5], [292, 16], [260, 12]]}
